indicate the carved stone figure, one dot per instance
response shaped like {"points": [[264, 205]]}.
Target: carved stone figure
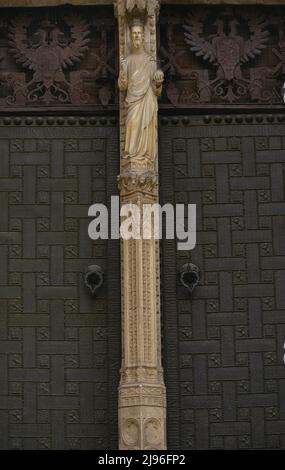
{"points": [[142, 82]]}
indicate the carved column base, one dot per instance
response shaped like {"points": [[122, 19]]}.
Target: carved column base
{"points": [[142, 417]]}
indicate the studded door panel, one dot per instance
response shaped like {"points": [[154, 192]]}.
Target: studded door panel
{"points": [[224, 345], [59, 346]]}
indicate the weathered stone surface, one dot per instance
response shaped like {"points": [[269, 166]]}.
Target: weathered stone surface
{"points": [[223, 2], [46, 3], [199, 62], [81, 59], [42, 3]]}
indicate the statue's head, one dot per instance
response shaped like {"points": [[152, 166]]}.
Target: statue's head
{"points": [[137, 33]]}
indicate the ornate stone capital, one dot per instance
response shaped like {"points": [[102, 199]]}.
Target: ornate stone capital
{"points": [[134, 182]]}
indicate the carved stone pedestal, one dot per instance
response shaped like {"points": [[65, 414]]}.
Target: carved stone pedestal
{"points": [[142, 418], [142, 401]]}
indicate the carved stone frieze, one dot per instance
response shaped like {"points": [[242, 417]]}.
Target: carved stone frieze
{"points": [[43, 3], [60, 59], [222, 56], [149, 375], [142, 395]]}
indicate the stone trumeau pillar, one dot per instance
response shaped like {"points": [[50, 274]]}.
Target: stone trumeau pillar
{"points": [[142, 400]]}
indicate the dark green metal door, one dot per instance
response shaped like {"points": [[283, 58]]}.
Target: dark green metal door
{"points": [[224, 346], [59, 346]]}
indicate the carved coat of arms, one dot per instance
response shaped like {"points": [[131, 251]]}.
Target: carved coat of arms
{"points": [[48, 49], [231, 46]]}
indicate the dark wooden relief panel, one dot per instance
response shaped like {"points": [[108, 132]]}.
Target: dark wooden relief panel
{"points": [[58, 58], [222, 56], [59, 347], [223, 348]]}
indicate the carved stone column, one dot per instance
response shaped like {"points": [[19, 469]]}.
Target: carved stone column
{"points": [[142, 401]]}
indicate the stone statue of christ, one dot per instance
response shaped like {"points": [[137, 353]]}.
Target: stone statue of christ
{"points": [[142, 82]]}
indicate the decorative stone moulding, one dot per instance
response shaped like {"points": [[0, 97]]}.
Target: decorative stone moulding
{"points": [[133, 182]]}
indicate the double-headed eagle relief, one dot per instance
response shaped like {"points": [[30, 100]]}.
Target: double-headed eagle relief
{"points": [[67, 58], [227, 48], [58, 58], [48, 50], [223, 55]]}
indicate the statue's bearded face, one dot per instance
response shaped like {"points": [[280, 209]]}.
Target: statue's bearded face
{"points": [[137, 36]]}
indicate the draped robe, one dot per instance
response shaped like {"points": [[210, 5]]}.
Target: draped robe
{"points": [[141, 106]]}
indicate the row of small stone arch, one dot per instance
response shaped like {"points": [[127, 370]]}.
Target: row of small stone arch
{"points": [[59, 121], [228, 119]]}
